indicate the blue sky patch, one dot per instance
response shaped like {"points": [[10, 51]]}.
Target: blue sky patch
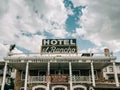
{"points": [[23, 49], [84, 44], [72, 20]]}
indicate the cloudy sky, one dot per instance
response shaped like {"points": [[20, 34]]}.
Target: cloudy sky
{"points": [[94, 23]]}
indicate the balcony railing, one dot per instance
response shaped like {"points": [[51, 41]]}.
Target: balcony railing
{"points": [[105, 81], [66, 79], [59, 79], [82, 79], [37, 79]]}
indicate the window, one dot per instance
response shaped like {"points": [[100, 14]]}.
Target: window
{"points": [[119, 67], [23, 75], [42, 73], [66, 71], [105, 69], [76, 72], [1, 71], [1, 80], [59, 72], [95, 73], [110, 69], [33, 72], [111, 78], [8, 80]]}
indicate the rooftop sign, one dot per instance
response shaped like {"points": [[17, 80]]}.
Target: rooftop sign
{"points": [[59, 46]]}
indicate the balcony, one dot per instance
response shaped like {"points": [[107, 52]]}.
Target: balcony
{"points": [[59, 79]]}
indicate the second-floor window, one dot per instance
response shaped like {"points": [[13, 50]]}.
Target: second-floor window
{"points": [[105, 69], [119, 67], [76, 72], [110, 69]]}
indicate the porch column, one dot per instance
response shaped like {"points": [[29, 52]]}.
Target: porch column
{"points": [[48, 76], [70, 72], [4, 76], [115, 75], [26, 76], [92, 73]]}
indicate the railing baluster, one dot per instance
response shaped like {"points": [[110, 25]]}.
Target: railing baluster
{"points": [[80, 79], [37, 79]]}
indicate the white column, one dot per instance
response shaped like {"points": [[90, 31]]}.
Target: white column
{"points": [[26, 76], [115, 75], [70, 72], [4, 76], [48, 73], [48, 68], [92, 73]]}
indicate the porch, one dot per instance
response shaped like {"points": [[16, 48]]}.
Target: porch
{"points": [[59, 79], [59, 72]]}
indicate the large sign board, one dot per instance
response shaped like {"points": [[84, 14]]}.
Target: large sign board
{"points": [[59, 46]]}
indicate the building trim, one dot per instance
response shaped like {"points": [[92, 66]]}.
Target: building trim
{"points": [[26, 76], [80, 86], [39, 86], [61, 86], [115, 75], [92, 73]]}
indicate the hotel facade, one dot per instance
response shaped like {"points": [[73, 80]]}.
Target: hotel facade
{"points": [[60, 67]]}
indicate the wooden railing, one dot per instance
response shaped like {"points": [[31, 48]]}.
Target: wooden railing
{"points": [[65, 79], [104, 81], [59, 79], [37, 79], [78, 79]]}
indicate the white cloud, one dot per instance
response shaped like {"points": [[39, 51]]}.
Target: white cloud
{"points": [[59, 33], [101, 22], [79, 2], [30, 16], [3, 51], [79, 32], [48, 13], [30, 43]]}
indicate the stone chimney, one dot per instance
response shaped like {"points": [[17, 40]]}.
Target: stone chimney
{"points": [[106, 52]]}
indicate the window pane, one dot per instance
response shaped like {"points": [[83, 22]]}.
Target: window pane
{"points": [[111, 69], [105, 69], [75, 72], [42, 73], [33, 72]]}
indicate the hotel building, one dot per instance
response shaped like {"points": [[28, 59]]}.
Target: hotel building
{"points": [[62, 68]]}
